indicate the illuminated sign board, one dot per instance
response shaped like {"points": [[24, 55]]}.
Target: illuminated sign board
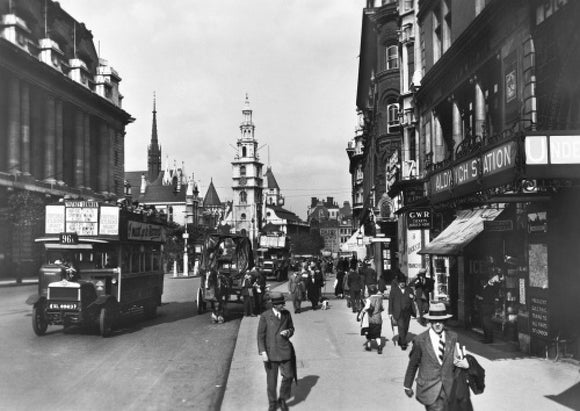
{"points": [[560, 149]]}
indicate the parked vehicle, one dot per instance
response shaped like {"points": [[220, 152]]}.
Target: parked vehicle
{"points": [[274, 256], [102, 261]]}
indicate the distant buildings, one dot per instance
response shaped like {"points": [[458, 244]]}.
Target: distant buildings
{"points": [[334, 223], [171, 191]]}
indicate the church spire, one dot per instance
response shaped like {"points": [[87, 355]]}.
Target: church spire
{"points": [[154, 150], [154, 125]]}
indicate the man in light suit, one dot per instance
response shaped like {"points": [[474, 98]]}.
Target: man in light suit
{"points": [[274, 331], [435, 354]]}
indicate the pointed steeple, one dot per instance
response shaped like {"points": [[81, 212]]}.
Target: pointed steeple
{"points": [[154, 150], [247, 127], [211, 198], [154, 139]]}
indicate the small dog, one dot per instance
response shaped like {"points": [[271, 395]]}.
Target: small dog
{"points": [[325, 304]]}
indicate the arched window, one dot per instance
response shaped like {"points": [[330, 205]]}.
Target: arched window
{"points": [[243, 151], [392, 58], [393, 117], [242, 170], [243, 216], [243, 197]]}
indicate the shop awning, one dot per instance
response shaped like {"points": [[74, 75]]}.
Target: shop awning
{"points": [[467, 226], [351, 245]]}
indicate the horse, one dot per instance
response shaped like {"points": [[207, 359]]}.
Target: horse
{"points": [[217, 291]]}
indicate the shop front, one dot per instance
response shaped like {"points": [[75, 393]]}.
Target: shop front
{"points": [[516, 224]]}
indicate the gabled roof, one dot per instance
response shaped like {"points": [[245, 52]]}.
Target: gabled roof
{"points": [[285, 214], [155, 192], [211, 197], [134, 179], [163, 194], [271, 180]]}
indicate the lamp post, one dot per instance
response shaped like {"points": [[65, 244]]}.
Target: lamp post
{"points": [[185, 256]]}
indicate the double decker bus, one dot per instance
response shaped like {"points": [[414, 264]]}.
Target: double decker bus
{"points": [[101, 261]]}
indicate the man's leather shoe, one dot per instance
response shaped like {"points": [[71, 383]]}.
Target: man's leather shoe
{"points": [[282, 404]]}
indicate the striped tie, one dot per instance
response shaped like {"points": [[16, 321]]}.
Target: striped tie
{"points": [[441, 348]]}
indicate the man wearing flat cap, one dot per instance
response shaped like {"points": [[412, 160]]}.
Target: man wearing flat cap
{"points": [[433, 358], [274, 331]]}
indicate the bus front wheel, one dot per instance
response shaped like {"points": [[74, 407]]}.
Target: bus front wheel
{"points": [[39, 321], [105, 322]]}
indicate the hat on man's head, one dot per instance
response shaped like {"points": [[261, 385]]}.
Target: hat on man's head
{"points": [[58, 262], [437, 312], [423, 271], [400, 277], [277, 298]]}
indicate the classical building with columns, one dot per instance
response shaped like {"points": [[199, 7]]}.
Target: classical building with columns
{"points": [[62, 125]]}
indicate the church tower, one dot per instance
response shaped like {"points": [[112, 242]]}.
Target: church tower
{"points": [[154, 150], [247, 179]]}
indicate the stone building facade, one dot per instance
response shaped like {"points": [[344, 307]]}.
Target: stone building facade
{"points": [[62, 125]]}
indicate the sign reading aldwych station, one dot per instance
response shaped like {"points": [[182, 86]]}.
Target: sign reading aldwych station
{"points": [[493, 161]]}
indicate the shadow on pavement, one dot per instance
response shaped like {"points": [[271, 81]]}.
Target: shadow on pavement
{"points": [[498, 350], [303, 388], [569, 398]]}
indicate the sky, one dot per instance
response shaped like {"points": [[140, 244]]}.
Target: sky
{"points": [[296, 59]]}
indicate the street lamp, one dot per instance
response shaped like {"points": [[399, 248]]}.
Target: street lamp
{"points": [[185, 256]]}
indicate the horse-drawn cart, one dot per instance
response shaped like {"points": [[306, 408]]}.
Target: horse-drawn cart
{"points": [[225, 260]]}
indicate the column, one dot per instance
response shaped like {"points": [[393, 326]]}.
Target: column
{"points": [[14, 126], [439, 149], [25, 127], [59, 141], [103, 156], [79, 149], [87, 151], [405, 69], [49, 139], [479, 110], [457, 129]]}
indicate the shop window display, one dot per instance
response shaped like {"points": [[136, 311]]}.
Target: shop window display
{"points": [[441, 290]]}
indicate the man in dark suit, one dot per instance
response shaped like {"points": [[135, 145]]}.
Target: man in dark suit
{"points": [[401, 300], [274, 331], [435, 354]]}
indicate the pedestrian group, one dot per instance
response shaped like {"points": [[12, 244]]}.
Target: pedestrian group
{"points": [[439, 365]]}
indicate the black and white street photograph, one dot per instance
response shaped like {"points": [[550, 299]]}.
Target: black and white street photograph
{"points": [[289, 205]]}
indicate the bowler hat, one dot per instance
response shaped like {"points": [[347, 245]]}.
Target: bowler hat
{"points": [[422, 271], [277, 298], [437, 312]]}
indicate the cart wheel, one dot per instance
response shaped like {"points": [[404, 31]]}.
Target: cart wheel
{"points": [[105, 322], [39, 321], [199, 302]]}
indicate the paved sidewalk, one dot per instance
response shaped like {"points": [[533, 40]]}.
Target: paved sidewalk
{"points": [[11, 282], [335, 373]]}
